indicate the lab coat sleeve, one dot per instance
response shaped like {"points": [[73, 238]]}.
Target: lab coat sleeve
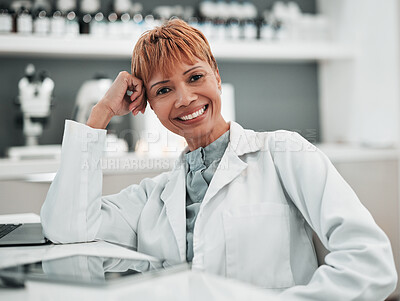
{"points": [[360, 264], [74, 209]]}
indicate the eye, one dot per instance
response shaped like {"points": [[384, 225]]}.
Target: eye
{"points": [[196, 77], [163, 91]]}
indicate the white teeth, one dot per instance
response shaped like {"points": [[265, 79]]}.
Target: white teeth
{"points": [[194, 115]]}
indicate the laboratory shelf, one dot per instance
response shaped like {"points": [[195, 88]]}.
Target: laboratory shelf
{"points": [[112, 48]]}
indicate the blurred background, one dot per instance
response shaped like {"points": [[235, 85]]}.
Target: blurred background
{"points": [[326, 69]]}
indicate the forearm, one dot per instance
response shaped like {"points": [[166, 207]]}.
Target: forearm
{"points": [[72, 209]]}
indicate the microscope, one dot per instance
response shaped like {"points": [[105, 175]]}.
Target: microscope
{"points": [[35, 94]]}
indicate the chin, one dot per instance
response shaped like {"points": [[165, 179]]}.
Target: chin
{"points": [[196, 133]]}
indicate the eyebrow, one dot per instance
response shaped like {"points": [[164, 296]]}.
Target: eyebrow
{"points": [[165, 81], [187, 71], [161, 82]]}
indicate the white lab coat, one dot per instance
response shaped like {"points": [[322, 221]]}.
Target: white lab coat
{"points": [[255, 224]]}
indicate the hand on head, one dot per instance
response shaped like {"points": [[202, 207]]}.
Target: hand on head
{"points": [[119, 102], [125, 95]]}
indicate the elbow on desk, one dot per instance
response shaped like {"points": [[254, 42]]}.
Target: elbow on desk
{"points": [[61, 234], [59, 227], [55, 230]]}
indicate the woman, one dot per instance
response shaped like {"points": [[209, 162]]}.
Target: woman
{"points": [[238, 203]]}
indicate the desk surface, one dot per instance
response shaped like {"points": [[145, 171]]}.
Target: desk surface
{"points": [[183, 285]]}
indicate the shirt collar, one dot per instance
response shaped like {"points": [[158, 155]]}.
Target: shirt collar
{"points": [[205, 156], [241, 142]]}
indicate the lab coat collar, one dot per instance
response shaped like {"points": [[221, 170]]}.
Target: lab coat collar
{"points": [[174, 194]]}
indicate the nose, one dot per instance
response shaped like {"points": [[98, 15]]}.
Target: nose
{"points": [[185, 95]]}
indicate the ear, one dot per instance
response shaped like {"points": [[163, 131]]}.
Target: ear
{"points": [[218, 77]]}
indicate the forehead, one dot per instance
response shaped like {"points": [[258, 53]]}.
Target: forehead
{"points": [[177, 69]]}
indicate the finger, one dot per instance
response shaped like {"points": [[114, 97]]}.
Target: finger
{"points": [[136, 84], [133, 105], [136, 98], [136, 95], [136, 107], [128, 104], [133, 85], [142, 105]]}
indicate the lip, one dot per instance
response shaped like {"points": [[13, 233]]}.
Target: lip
{"points": [[194, 120], [191, 111]]}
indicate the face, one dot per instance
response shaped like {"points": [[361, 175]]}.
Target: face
{"points": [[188, 102]]}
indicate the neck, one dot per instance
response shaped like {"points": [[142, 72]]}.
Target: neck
{"points": [[219, 129]]}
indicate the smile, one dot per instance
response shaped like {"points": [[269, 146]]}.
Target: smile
{"points": [[194, 114]]}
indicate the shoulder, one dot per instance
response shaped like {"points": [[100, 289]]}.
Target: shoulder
{"points": [[246, 141], [287, 149], [284, 141]]}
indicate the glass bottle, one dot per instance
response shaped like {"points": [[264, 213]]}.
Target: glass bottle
{"points": [[6, 22], [57, 24], [68, 9], [98, 27], [88, 9], [122, 8], [24, 21], [71, 24], [41, 12]]}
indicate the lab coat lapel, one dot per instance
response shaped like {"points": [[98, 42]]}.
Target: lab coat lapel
{"points": [[174, 198], [228, 169], [231, 166]]}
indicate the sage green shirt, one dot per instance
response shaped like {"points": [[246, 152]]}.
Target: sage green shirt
{"points": [[203, 163]]}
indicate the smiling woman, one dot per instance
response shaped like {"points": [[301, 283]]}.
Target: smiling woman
{"points": [[238, 203]]}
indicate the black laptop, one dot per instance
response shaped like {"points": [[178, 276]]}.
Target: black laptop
{"points": [[22, 234]]}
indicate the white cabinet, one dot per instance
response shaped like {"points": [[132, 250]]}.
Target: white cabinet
{"points": [[359, 98]]}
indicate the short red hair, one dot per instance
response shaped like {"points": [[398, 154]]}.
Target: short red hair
{"points": [[162, 47]]}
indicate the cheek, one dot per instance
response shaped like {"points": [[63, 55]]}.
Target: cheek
{"points": [[161, 110], [216, 98]]}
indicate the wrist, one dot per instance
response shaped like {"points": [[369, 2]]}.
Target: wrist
{"points": [[100, 116]]}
